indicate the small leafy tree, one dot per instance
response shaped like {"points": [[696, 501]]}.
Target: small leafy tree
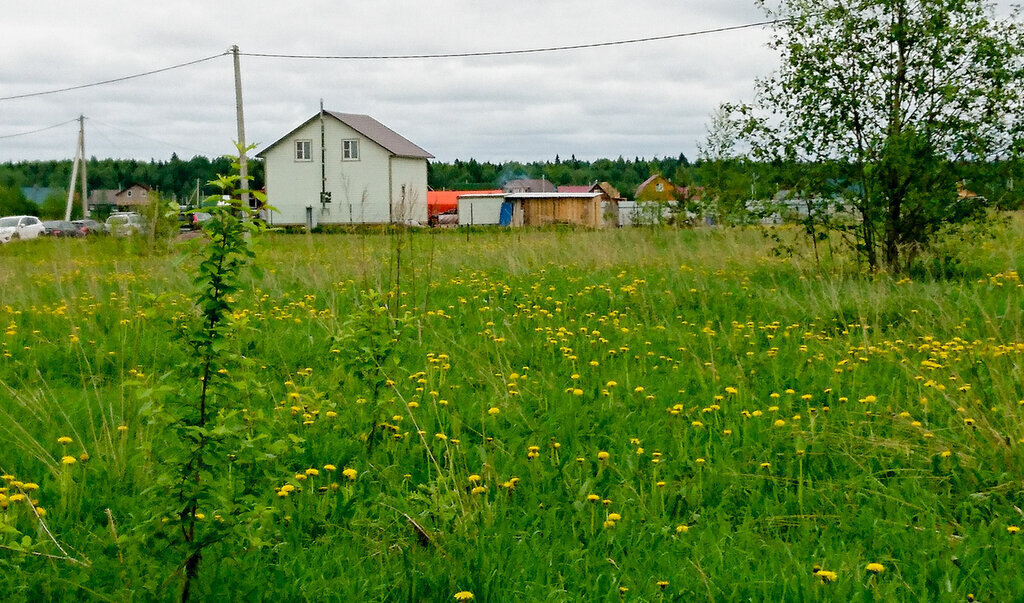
{"points": [[895, 94], [204, 423]]}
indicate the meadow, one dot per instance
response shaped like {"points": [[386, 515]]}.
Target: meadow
{"points": [[557, 415]]}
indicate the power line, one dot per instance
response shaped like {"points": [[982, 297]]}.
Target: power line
{"points": [[115, 80], [130, 133], [63, 123], [451, 55]]}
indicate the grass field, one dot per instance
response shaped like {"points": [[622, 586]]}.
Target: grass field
{"points": [[537, 416]]}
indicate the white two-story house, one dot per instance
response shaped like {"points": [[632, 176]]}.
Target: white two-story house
{"points": [[343, 168]]}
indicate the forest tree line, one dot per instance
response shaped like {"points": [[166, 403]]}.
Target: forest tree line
{"points": [[731, 181]]}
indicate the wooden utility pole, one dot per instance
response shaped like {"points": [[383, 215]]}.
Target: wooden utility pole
{"points": [[79, 157], [243, 163]]}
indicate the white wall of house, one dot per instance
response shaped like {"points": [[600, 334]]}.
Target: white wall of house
{"points": [[364, 190]]}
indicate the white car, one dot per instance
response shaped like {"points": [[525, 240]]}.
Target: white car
{"points": [[20, 227], [123, 224]]}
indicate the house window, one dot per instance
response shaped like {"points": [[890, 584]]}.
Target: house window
{"points": [[303, 150], [659, 187], [350, 150], [129, 194]]}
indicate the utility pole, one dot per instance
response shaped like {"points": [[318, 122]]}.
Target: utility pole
{"points": [[243, 163], [79, 157]]}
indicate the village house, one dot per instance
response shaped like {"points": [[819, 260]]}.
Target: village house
{"points": [[535, 185], [345, 168], [131, 198]]}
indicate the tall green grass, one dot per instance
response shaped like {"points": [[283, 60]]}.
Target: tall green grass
{"points": [[761, 416]]}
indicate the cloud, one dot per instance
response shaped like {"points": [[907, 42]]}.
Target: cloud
{"points": [[645, 99]]}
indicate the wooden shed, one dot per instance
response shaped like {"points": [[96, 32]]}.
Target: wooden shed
{"points": [[542, 209]]}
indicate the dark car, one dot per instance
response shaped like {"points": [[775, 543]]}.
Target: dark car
{"points": [[62, 228], [90, 227]]}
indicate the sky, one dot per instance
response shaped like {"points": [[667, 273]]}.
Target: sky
{"points": [[649, 100]]}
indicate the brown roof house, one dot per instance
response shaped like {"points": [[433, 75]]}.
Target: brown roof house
{"points": [[362, 172], [542, 185], [130, 198]]}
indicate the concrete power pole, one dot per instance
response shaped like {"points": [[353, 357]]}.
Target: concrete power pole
{"points": [[81, 149], [79, 157], [243, 162]]}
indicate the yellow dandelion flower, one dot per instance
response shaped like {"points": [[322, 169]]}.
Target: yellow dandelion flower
{"points": [[1013, 529], [68, 460], [602, 456], [64, 440], [350, 473], [464, 595], [875, 568]]}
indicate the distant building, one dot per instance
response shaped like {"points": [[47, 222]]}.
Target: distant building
{"points": [[439, 202], [130, 198], [529, 186], [575, 188], [37, 194], [656, 188], [362, 172]]}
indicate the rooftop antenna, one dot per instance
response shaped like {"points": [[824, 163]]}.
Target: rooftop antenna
{"points": [[325, 197]]}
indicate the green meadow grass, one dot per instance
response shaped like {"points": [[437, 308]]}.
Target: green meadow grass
{"points": [[559, 416]]}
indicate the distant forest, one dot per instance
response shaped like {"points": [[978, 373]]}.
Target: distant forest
{"points": [[737, 179]]}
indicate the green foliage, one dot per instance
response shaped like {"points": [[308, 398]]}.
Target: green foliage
{"points": [[900, 443], [897, 93], [13, 202], [205, 425]]}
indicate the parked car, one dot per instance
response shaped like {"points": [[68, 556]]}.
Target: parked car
{"points": [[123, 224], [62, 228], [91, 227], [20, 227]]}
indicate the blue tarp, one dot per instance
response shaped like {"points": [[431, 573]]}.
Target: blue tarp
{"points": [[505, 217]]}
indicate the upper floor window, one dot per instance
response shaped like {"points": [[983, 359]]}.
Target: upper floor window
{"points": [[350, 150], [303, 150]]}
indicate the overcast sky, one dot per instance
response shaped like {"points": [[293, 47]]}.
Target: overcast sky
{"points": [[646, 100]]}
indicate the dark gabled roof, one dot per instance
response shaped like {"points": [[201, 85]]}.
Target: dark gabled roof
{"points": [[369, 127], [530, 185]]}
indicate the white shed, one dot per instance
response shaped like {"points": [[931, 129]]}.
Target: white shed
{"points": [[480, 209], [344, 168]]}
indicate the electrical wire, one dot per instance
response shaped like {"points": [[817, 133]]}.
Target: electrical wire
{"points": [[163, 142], [115, 80], [451, 55], [444, 55], [63, 123]]}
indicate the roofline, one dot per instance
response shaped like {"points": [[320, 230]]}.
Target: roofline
{"points": [[552, 195], [262, 154]]}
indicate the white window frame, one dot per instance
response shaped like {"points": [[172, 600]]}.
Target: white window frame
{"points": [[303, 142], [350, 149]]}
